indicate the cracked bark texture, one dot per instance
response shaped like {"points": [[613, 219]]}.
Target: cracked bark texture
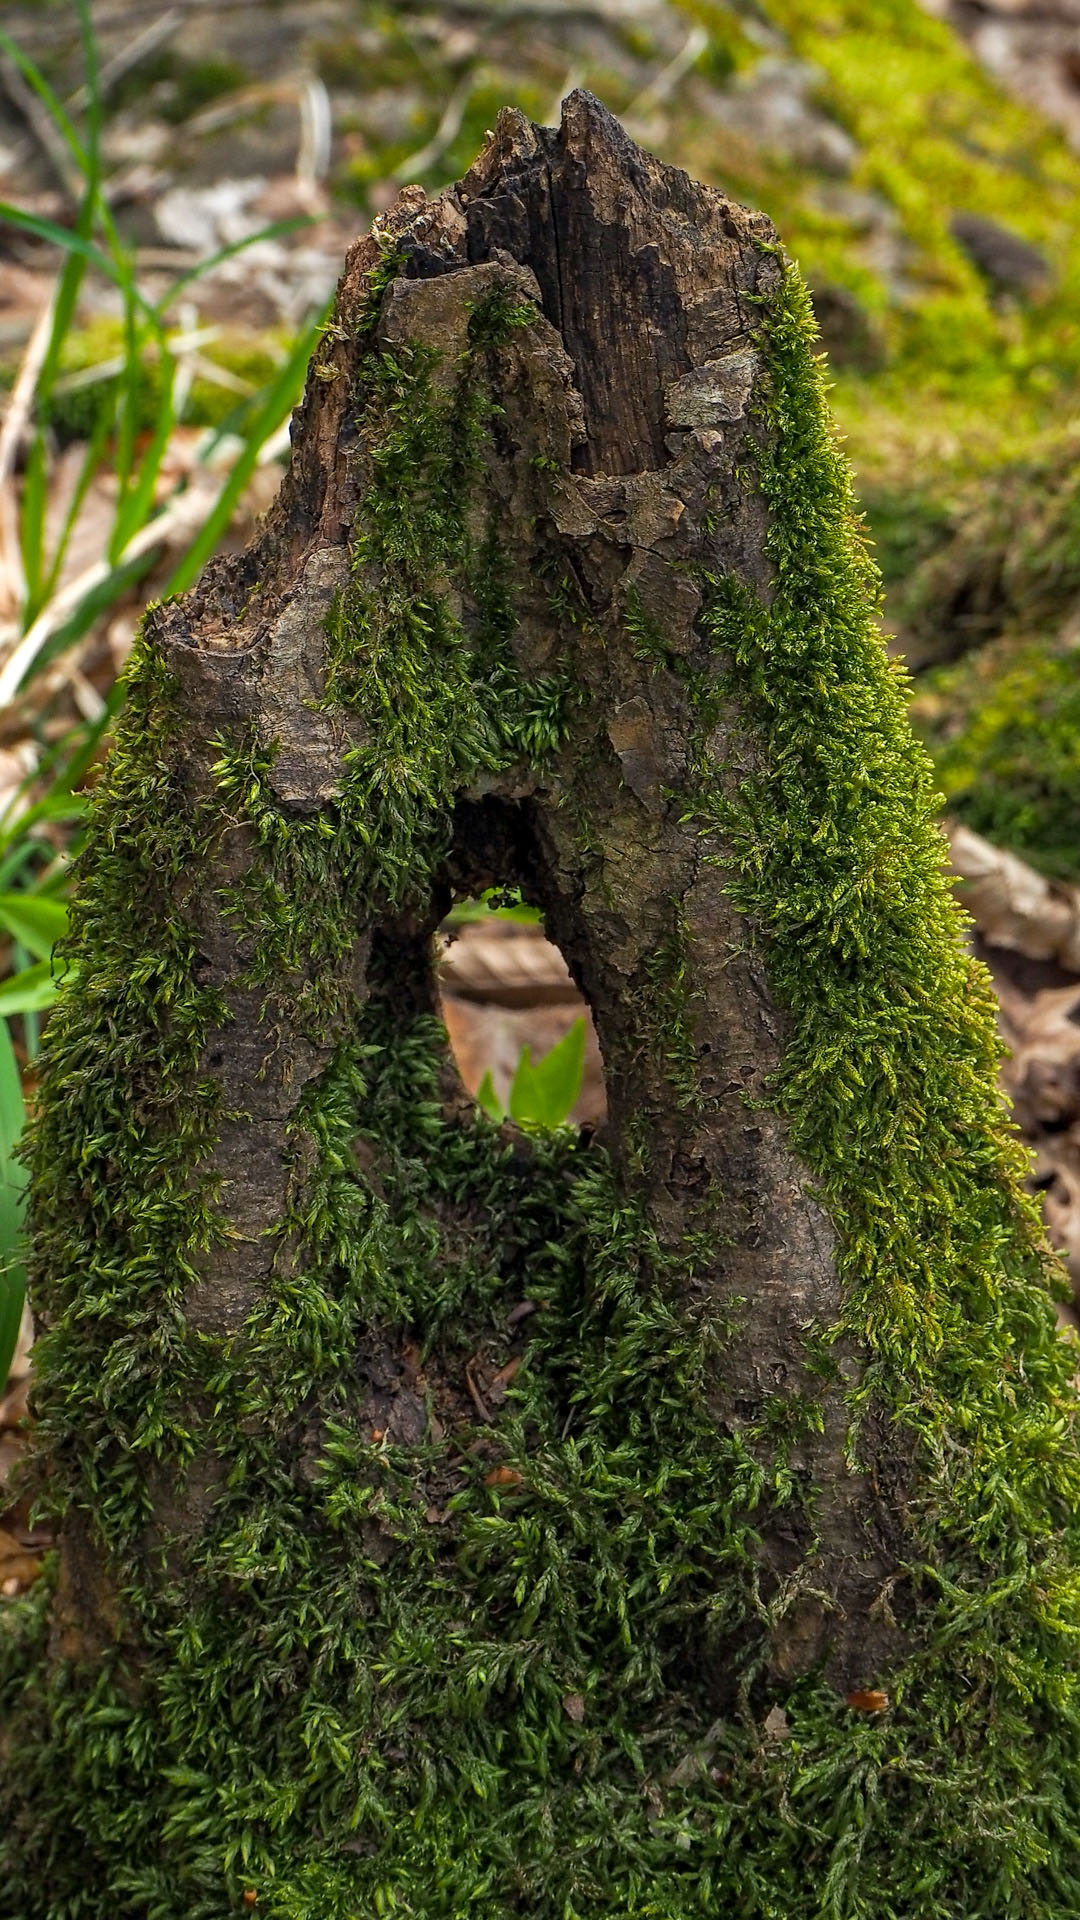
{"points": [[620, 457]]}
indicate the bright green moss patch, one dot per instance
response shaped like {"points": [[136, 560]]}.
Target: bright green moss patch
{"points": [[888, 1087], [437, 710], [1004, 727], [133, 1117], [989, 615], [231, 374], [839, 861], [936, 137]]}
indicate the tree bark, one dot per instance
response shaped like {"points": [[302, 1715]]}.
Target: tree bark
{"points": [[456, 1520]]}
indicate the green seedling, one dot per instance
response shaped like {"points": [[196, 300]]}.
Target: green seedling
{"points": [[543, 1095]]}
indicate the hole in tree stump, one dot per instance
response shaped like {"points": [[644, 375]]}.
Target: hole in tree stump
{"points": [[503, 987]]}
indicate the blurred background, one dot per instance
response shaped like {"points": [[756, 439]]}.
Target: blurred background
{"points": [[178, 185]]}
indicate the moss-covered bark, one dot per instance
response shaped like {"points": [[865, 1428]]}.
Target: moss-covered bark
{"points": [[670, 1523]]}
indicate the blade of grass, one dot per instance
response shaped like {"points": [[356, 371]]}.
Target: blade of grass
{"points": [[91, 462], [108, 586], [71, 279], [16, 420], [35, 920], [75, 606], [137, 496], [92, 88], [127, 422], [34, 78], [32, 506], [31, 991], [12, 1184], [282, 393], [70, 239], [65, 765], [17, 844], [32, 528], [21, 871], [31, 1019]]}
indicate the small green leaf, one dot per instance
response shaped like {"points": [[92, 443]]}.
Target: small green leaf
{"points": [[36, 920], [488, 1099], [544, 1095], [12, 1182], [31, 991]]}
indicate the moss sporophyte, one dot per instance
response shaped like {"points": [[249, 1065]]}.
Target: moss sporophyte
{"points": [[333, 1658]]}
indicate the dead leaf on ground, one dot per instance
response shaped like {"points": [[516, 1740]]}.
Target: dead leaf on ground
{"points": [[776, 1725], [499, 1382], [1012, 905], [18, 1567], [12, 1448]]}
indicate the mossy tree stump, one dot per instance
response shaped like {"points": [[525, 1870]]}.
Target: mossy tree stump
{"points": [[456, 1523]]}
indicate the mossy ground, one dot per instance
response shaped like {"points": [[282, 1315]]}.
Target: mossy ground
{"points": [[1004, 726], [990, 603], [351, 1707]]}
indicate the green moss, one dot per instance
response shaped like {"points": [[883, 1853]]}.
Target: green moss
{"points": [[416, 1680], [994, 580], [888, 1088], [125, 1043], [666, 1011], [234, 370], [1004, 727], [967, 380], [195, 83]]}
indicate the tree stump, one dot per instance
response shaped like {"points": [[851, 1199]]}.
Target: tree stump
{"points": [[670, 1521]]}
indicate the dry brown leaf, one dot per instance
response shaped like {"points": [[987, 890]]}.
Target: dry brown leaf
{"points": [[1011, 904], [499, 1382], [488, 1037], [503, 1477], [867, 1700], [19, 1568]]}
